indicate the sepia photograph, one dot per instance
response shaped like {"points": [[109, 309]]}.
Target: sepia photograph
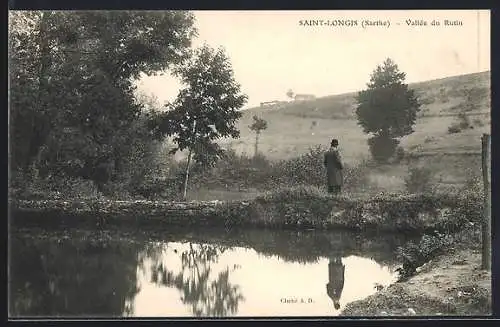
{"points": [[224, 164]]}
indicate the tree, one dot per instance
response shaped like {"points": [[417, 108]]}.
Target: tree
{"points": [[47, 280], [387, 110], [290, 94], [206, 108], [207, 294], [257, 126], [73, 72]]}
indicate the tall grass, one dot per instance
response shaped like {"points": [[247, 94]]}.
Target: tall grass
{"points": [[419, 180], [242, 172]]}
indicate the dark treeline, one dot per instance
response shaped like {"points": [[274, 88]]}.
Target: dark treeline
{"points": [[76, 122]]}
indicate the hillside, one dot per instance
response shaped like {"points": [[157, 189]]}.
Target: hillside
{"points": [[295, 127]]}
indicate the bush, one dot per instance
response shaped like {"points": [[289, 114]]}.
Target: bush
{"points": [[413, 255], [235, 171], [166, 188], [443, 96], [356, 178], [307, 169], [427, 100], [116, 190], [419, 180], [59, 187], [478, 122], [240, 172], [473, 182], [454, 128], [399, 154], [428, 139], [472, 195], [382, 148], [232, 171], [463, 121]]}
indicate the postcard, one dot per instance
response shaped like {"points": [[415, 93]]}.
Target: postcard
{"points": [[168, 163]]}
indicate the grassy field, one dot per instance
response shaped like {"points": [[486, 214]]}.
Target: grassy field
{"points": [[453, 158], [293, 128]]}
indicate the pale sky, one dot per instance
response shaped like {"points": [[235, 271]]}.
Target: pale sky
{"points": [[271, 52]]}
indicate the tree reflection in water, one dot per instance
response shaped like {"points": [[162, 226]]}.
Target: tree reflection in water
{"points": [[206, 296], [71, 277]]}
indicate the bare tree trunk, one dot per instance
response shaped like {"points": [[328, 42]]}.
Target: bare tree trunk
{"points": [[486, 223], [184, 197], [256, 150], [186, 178], [42, 86]]}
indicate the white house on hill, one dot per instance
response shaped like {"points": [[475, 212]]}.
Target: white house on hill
{"points": [[304, 97]]}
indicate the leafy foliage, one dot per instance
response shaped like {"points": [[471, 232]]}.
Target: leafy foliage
{"points": [[382, 147], [207, 108], [419, 180], [387, 108], [72, 104], [257, 126], [58, 277], [463, 122], [399, 154], [242, 172], [414, 255]]}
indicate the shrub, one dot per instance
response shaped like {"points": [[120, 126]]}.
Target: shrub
{"points": [[356, 177], [428, 139], [470, 207], [258, 172], [166, 188], [237, 171], [116, 190], [301, 205], [232, 171], [61, 187], [382, 148], [427, 100], [399, 154], [478, 122], [463, 121], [454, 128], [419, 180], [443, 96], [413, 255], [307, 169], [473, 183]]}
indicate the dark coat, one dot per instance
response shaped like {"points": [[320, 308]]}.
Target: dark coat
{"points": [[333, 165], [335, 284]]}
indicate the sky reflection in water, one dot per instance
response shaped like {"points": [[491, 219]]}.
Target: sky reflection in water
{"points": [[241, 282]]}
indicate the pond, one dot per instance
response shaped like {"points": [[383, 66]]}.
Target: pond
{"points": [[189, 273]]}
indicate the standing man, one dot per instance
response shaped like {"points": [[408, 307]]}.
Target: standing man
{"points": [[333, 164]]}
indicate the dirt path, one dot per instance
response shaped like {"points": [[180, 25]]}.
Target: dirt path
{"points": [[452, 284]]}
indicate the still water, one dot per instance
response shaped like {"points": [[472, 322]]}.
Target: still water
{"points": [[75, 273]]}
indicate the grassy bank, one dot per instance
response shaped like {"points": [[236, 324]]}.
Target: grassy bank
{"points": [[301, 207], [440, 274], [451, 284]]}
